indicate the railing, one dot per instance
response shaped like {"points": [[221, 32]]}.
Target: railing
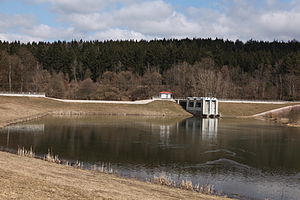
{"points": [[248, 101], [29, 94], [257, 101]]}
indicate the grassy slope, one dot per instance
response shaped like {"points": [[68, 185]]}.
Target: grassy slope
{"points": [[246, 109], [28, 178], [12, 108]]}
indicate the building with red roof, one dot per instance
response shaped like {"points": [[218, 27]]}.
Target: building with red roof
{"points": [[165, 95]]}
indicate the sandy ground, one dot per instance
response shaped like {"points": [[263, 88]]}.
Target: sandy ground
{"points": [[29, 178]]}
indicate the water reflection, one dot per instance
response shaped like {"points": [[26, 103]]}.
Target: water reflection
{"points": [[207, 127], [252, 158]]}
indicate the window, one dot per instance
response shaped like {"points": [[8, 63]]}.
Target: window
{"points": [[198, 104]]}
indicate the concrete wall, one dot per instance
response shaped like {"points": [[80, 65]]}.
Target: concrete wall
{"points": [[22, 94]]}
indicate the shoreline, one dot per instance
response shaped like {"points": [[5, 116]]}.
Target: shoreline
{"points": [[18, 110], [21, 109], [71, 113], [31, 178]]}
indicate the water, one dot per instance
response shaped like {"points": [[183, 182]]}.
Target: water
{"points": [[247, 159]]}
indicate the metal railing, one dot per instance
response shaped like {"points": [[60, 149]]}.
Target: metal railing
{"points": [[257, 100]]}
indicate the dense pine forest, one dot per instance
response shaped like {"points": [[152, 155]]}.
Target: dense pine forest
{"points": [[130, 70]]}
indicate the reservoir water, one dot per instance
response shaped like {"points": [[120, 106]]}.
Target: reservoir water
{"points": [[242, 158]]}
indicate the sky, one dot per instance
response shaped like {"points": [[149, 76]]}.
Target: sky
{"points": [[52, 20]]}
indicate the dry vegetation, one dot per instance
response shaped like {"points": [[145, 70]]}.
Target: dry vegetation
{"points": [[28, 178], [16, 109], [289, 116], [247, 109]]}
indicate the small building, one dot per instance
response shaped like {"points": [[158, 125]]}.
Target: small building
{"points": [[165, 95]]}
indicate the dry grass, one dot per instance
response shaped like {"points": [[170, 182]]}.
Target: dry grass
{"points": [[246, 109], [17, 109], [52, 158], [289, 116], [107, 169], [27, 153], [29, 178], [185, 185]]}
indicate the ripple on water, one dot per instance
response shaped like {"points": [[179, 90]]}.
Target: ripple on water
{"points": [[231, 153], [222, 162]]}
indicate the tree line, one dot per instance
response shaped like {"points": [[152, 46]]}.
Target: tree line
{"points": [[130, 70]]}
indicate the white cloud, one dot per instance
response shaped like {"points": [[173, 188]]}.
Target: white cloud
{"points": [[80, 6], [117, 34], [137, 19], [15, 21], [48, 33], [18, 37], [155, 18]]}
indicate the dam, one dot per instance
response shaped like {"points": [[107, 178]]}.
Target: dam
{"points": [[206, 107]]}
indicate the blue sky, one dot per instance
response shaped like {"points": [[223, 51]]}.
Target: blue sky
{"points": [[49, 20]]}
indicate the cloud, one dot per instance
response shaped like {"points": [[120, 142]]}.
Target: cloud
{"points": [[79, 6], [117, 34], [15, 21], [145, 19], [284, 24], [155, 18], [49, 33], [18, 37]]}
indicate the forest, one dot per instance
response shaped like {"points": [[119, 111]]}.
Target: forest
{"points": [[132, 70]]}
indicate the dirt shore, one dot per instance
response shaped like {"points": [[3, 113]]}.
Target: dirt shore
{"points": [[29, 178]]}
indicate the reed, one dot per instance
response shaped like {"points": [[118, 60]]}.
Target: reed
{"points": [[104, 168], [26, 153], [52, 158], [185, 185], [164, 180]]}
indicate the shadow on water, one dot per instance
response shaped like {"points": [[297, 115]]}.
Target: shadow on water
{"points": [[243, 158]]}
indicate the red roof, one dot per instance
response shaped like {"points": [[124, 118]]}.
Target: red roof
{"points": [[165, 92]]}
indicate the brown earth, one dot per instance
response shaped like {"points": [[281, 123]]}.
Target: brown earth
{"points": [[29, 178]]}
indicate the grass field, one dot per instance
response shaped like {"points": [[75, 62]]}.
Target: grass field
{"points": [[14, 109], [29, 178], [247, 109]]}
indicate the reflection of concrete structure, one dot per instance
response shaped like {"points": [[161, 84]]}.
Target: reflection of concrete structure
{"points": [[24, 128], [207, 127], [164, 134]]}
